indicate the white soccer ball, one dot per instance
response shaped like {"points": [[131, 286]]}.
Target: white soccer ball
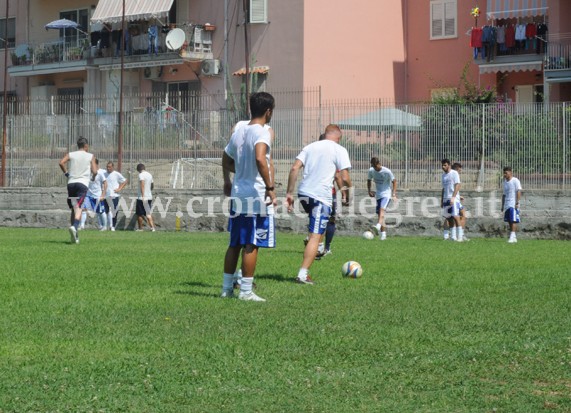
{"points": [[352, 269], [368, 235]]}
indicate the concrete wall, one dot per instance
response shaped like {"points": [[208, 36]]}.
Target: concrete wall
{"points": [[545, 214]]}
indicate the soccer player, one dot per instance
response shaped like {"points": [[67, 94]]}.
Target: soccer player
{"points": [[456, 166], [95, 198], [144, 198], [384, 179], [320, 161], [510, 202], [115, 184], [450, 201], [78, 166], [251, 223]]}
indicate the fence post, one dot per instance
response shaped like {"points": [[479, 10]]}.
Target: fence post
{"points": [[565, 137], [406, 152], [479, 184]]}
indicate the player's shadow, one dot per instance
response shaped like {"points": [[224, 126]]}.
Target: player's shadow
{"points": [[194, 291], [275, 277]]}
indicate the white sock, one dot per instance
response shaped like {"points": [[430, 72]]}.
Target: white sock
{"points": [[321, 248], [446, 233], [512, 235], [246, 286], [83, 218], [228, 282], [384, 234], [460, 232], [110, 219], [102, 220], [302, 274], [378, 226]]}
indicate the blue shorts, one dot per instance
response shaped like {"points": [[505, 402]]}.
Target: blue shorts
{"points": [[143, 208], [247, 229], [93, 204], [382, 203], [318, 214], [511, 215], [76, 194], [449, 210]]}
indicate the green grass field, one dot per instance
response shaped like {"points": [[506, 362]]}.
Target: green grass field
{"points": [[132, 322]]}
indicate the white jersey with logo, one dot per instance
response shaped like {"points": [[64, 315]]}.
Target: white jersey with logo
{"points": [[248, 187], [95, 188], [114, 180], [511, 188], [321, 160], [383, 180], [147, 178], [449, 180], [79, 167]]}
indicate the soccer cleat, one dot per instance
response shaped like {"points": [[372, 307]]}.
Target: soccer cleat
{"points": [[446, 237], [81, 227], [327, 252], [73, 233], [305, 241], [250, 296], [103, 229], [383, 236], [512, 240], [465, 239], [375, 230], [139, 230], [227, 294], [153, 230], [307, 280]]}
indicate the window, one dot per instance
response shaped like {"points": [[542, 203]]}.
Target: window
{"points": [[258, 11], [74, 36], [11, 32], [443, 14], [70, 100]]}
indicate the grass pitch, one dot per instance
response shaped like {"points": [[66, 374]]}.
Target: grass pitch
{"points": [[132, 322]]}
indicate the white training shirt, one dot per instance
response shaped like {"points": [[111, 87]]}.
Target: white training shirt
{"points": [[95, 187], [79, 167], [321, 160], [383, 180], [114, 179], [449, 180], [248, 187], [511, 188], [148, 179]]}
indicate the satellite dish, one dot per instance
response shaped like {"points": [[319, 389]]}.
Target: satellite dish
{"points": [[175, 39]]}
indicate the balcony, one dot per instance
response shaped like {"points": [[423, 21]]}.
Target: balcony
{"points": [[69, 56], [557, 63]]}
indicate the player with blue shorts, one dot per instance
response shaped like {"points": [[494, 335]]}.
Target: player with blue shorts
{"points": [[384, 180], [252, 190], [510, 202], [320, 161]]}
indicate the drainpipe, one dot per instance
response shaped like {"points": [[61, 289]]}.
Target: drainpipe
{"points": [[4, 114]]}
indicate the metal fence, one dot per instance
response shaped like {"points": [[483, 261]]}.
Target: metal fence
{"points": [[181, 137]]}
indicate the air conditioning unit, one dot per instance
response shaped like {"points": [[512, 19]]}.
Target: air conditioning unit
{"points": [[153, 72], [210, 67]]}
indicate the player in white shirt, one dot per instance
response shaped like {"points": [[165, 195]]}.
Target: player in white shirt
{"points": [[456, 166], [510, 202], [450, 201], [144, 204], [78, 167], [115, 184], [384, 180], [95, 199], [251, 223], [320, 161]]}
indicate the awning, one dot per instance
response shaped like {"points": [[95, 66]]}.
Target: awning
{"points": [[511, 67], [261, 70], [111, 11], [503, 9]]}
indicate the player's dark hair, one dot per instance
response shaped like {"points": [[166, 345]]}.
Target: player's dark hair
{"points": [[322, 136], [445, 161], [96, 161], [260, 102], [375, 161], [81, 142], [140, 167], [507, 168], [456, 166]]}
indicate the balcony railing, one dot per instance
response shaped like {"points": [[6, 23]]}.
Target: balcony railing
{"points": [[558, 55]]}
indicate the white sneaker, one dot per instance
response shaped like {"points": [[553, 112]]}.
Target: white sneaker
{"points": [[153, 230], [113, 229], [512, 240], [73, 233], [383, 236], [227, 294], [251, 296], [459, 240], [375, 230], [103, 229], [81, 227], [446, 237], [465, 239]]}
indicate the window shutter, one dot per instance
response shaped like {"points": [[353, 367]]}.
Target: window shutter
{"points": [[450, 19], [258, 11], [437, 18]]}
